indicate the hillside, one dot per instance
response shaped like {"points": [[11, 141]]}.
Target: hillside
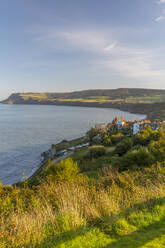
{"points": [[142, 101], [106, 195], [106, 95]]}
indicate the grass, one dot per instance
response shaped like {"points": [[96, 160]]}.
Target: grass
{"points": [[97, 99], [149, 99], [84, 201], [118, 210], [91, 168], [83, 238], [138, 228], [39, 96]]}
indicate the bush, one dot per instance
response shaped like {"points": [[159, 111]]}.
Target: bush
{"points": [[147, 135], [136, 158], [95, 152], [116, 138], [156, 135], [122, 227], [124, 146], [142, 138], [65, 170], [107, 140], [158, 150]]}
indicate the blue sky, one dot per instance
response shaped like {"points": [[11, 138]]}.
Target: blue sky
{"points": [[66, 45]]}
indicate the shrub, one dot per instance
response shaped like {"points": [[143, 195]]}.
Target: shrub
{"points": [[156, 135], [158, 150], [141, 138], [125, 145], [116, 138], [107, 140], [65, 170], [147, 135], [122, 227], [136, 158], [95, 152]]}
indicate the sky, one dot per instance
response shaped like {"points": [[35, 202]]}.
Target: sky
{"points": [[67, 45]]}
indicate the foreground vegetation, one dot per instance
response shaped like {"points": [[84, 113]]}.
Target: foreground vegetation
{"points": [[108, 195]]}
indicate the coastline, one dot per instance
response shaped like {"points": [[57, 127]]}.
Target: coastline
{"points": [[63, 123], [133, 108], [48, 155], [143, 101], [45, 161]]}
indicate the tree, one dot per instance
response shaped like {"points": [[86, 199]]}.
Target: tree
{"points": [[158, 150], [124, 146], [142, 138]]}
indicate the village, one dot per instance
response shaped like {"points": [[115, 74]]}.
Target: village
{"points": [[121, 124], [99, 134]]}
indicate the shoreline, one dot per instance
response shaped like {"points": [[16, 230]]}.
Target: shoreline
{"points": [[125, 107], [45, 155], [34, 164], [45, 161]]}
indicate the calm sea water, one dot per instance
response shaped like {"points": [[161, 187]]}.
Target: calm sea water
{"points": [[28, 130]]}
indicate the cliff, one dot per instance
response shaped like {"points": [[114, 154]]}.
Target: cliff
{"points": [[142, 101]]}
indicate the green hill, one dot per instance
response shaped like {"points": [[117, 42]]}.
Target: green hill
{"points": [[106, 195], [142, 101], [105, 95]]}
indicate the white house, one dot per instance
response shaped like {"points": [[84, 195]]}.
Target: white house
{"points": [[136, 128], [120, 123]]}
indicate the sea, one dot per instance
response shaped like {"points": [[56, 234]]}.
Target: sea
{"points": [[28, 130]]}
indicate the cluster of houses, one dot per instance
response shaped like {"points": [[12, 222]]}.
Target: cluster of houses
{"points": [[120, 123], [117, 124]]}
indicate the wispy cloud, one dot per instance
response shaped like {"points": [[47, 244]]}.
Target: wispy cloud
{"points": [[133, 67], [109, 52], [160, 18], [82, 39], [110, 47], [161, 1]]}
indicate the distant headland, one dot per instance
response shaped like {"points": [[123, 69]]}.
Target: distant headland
{"points": [[142, 101]]}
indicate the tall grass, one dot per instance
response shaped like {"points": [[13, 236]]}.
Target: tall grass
{"points": [[29, 216]]}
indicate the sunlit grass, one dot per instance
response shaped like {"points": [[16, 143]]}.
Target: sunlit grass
{"points": [[120, 210]]}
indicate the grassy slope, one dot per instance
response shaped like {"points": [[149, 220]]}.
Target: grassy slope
{"points": [[99, 208], [141, 225], [135, 228], [131, 215]]}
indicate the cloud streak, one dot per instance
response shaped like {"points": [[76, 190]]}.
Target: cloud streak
{"points": [[160, 18], [161, 1], [109, 53]]}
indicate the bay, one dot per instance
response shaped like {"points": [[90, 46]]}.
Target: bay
{"points": [[28, 130]]}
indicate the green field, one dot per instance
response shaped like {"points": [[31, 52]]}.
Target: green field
{"points": [[99, 99]]}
